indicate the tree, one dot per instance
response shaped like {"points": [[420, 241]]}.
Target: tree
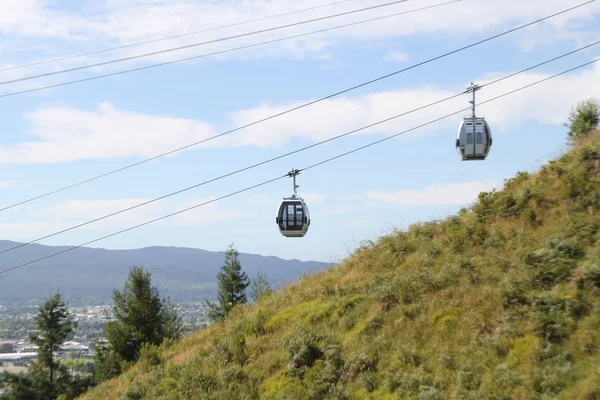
{"points": [[6, 348], [46, 379], [260, 287], [584, 118], [140, 317], [232, 286], [54, 323]]}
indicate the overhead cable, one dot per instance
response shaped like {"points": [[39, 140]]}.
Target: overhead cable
{"points": [[270, 160], [303, 169], [189, 46], [145, 67], [126, 46], [273, 116]]}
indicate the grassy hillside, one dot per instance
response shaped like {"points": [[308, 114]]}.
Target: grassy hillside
{"points": [[499, 302]]}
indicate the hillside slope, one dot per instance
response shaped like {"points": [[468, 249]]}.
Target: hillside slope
{"points": [[499, 302]]}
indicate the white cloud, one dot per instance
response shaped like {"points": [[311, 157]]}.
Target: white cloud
{"points": [[110, 22], [7, 184], [329, 118], [435, 195], [397, 57], [64, 215], [66, 133], [69, 134], [34, 18]]}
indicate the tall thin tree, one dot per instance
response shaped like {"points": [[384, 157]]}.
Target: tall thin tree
{"points": [[233, 283], [54, 324], [260, 287]]}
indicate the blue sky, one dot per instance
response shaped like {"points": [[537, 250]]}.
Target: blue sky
{"points": [[52, 138]]}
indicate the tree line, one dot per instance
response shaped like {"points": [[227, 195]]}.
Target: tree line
{"points": [[141, 318]]}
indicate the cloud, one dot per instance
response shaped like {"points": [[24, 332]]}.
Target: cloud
{"points": [[329, 118], [70, 134], [66, 133], [397, 57], [435, 195], [7, 184], [33, 18], [66, 214], [112, 23]]}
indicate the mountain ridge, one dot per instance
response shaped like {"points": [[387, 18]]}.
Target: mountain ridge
{"points": [[89, 274]]}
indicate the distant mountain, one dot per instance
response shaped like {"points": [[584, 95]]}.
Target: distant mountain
{"points": [[88, 275]]}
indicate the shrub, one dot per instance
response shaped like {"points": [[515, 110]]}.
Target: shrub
{"points": [[149, 356], [551, 266], [554, 324], [303, 351], [384, 291], [357, 364], [591, 273], [584, 118], [469, 378]]}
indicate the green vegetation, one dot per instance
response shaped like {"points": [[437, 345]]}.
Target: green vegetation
{"points": [[142, 319], [233, 283], [501, 301], [260, 287], [584, 118], [47, 378]]}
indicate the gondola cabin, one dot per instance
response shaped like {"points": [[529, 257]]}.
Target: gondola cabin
{"points": [[293, 217], [474, 139]]}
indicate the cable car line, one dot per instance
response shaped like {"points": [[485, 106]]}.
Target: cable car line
{"points": [[172, 37], [142, 68], [303, 169], [189, 46], [273, 116], [331, 139], [449, 115], [145, 223]]}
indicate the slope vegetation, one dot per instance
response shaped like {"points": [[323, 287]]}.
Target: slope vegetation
{"points": [[500, 301]]}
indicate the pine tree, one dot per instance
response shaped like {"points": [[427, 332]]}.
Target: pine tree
{"points": [[45, 378], [141, 317], [54, 323], [232, 286], [260, 287]]}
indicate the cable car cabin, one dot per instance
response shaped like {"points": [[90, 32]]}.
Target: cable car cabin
{"points": [[293, 217], [474, 139]]}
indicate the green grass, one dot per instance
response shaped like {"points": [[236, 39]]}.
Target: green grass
{"points": [[500, 301]]}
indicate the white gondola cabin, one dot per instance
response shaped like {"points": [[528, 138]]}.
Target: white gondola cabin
{"points": [[293, 218], [474, 137]]}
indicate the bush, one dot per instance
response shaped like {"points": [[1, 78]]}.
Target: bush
{"points": [[591, 273], [554, 372], [149, 356], [584, 118], [551, 266], [469, 378], [554, 323], [303, 351], [357, 364], [384, 291]]}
